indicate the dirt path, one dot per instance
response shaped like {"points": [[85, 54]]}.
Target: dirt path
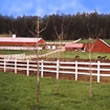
{"points": [[44, 55]]}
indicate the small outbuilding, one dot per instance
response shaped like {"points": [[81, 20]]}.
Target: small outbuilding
{"points": [[74, 46], [98, 45]]}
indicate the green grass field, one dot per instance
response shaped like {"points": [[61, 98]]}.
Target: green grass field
{"points": [[82, 55], [66, 54], [29, 52], [18, 92]]}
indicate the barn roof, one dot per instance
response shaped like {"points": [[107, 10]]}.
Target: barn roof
{"points": [[74, 45], [20, 41]]}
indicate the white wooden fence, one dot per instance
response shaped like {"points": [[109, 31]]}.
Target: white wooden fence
{"points": [[99, 69]]}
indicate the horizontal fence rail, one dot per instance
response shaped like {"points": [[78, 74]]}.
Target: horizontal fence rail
{"points": [[76, 68]]}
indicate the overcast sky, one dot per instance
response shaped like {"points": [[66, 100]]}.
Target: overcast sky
{"points": [[46, 7]]}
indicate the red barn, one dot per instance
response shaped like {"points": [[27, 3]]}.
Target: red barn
{"points": [[17, 43], [98, 46]]}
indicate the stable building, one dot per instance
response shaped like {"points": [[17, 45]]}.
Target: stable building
{"points": [[20, 43], [98, 45]]}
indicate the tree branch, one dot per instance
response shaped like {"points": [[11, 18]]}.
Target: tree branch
{"points": [[44, 28], [29, 29]]}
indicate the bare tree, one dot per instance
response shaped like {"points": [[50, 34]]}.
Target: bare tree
{"points": [[60, 37], [36, 25], [38, 30], [90, 66], [90, 48]]}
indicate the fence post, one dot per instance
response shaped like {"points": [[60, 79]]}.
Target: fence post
{"points": [[57, 68], [98, 72], [27, 67], [4, 65], [15, 66], [76, 70], [42, 64]]}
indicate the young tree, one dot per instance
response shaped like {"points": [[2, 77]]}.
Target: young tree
{"points": [[36, 33], [60, 36], [90, 66]]}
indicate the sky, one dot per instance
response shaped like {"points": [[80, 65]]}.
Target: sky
{"points": [[47, 7]]}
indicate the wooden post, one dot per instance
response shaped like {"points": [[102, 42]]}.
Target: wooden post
{"points": [[98, 72], [76, 70], [27, 67], [15, 66], [57, 69], [42, 64], [4, 65]]}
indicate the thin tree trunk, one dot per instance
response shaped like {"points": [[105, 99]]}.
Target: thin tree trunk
{"points": [[60, 38], [38, 72], [57, 80], [38, 78], [38, 31], [37, 34], [90, 67], [57, 87]]}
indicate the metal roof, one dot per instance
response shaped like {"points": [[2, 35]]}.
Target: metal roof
{"points": [[74, 45], [19, 39]]}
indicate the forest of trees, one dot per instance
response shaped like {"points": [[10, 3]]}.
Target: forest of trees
{"points": [[75, 26]]}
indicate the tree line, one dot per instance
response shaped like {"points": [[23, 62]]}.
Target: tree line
{"points": [[80, 25]]}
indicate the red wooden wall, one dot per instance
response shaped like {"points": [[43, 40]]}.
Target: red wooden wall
{"points": [[98, 46]]}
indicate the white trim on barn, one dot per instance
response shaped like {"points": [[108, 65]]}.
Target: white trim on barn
{"points": [[105, 42]]}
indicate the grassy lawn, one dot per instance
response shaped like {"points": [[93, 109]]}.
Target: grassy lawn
{"points": [[82, 55], [6, 52], [11, 52], [18, 92], [66, 54]]}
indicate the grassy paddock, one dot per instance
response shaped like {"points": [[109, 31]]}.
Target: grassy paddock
{"points": [[27, 52], [82, 55], [66, 54], [18, 92]]}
